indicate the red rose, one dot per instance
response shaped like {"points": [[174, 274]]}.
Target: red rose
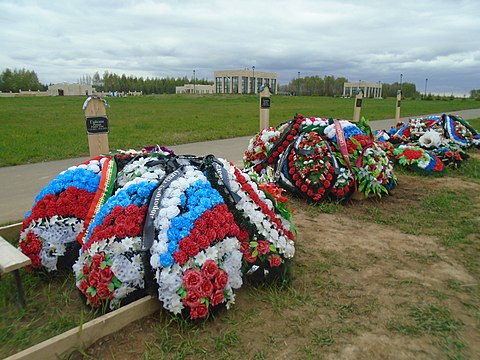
{"points": [[304, 188], [221, 280], [275, 260], [192, 279], [192, 299], [199, 312], [85, 269], [180, 257], [97, 260], [83, 286], [263, 247], [326, 183], [103, 292], [216, 298], [203, 241], [210, 269], [206, 288], [93, 278]]}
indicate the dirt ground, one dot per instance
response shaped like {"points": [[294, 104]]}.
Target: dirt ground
{"points": [[367, 285]]}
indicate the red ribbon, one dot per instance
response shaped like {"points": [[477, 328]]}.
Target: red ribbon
{"points": [[342, 144]]}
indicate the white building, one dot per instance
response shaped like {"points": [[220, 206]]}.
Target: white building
{"points": [[195, 89], [248, 81], [65, 89], [369, 89]]}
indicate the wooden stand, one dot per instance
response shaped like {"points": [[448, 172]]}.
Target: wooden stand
{"points": [[397, 110], [264, 108], [358, 106], [97, 126], [12, 259]]}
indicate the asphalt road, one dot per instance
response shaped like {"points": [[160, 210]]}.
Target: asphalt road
{"points": [[20, 184]]}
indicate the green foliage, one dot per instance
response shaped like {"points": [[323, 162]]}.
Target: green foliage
{"points": [[17, 80], [36, 129], [115, 82]]}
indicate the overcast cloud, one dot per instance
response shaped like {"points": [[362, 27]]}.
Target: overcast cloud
{"points": [[361, 40]]}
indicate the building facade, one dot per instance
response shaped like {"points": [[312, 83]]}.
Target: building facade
{"points": [[195, 89], [247, 81], [65, 89], [369, 89]]}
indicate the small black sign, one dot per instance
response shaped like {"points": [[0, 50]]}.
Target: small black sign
{"points": [[97, 125], [265, 102], [398, 103], [358, 103]]}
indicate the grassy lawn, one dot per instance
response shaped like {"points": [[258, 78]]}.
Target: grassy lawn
{"points": [[50, 128]]}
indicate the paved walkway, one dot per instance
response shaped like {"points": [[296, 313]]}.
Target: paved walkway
{"points": [[20, 184]]}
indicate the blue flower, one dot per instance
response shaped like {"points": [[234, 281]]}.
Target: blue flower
{"points": [[166, 260]]}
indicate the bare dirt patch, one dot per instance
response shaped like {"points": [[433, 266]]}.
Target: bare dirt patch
{"points": [[370, 282]]}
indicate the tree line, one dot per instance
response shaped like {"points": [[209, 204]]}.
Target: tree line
{"points": [[331, 86], [114, 82], [16, 80]]}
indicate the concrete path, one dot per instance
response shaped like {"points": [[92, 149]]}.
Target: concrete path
{"points": [[20, 184]]}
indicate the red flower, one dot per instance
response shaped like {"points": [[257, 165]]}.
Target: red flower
{"points": [[216, 298], [192, 299], [206, 288], [180, 257], [192, 279], [203, 241], [221, 280], [263, 247], [209, 269], [199, 312], [275, 260]]}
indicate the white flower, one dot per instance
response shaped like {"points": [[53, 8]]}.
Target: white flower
{"points": [[431, 139]]}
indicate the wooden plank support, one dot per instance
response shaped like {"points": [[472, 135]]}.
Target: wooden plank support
{"points": [[84, 336], [12, 259]]}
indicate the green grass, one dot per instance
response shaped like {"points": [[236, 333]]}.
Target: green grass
{"points": [[49, 128]]}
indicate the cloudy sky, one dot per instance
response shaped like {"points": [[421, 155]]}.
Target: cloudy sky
{"points": [[362, 40]]}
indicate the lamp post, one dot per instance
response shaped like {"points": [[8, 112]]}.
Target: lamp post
{"points": [[426, 81], [298, 84], [194, 81], [401, 76], [254, 81]]}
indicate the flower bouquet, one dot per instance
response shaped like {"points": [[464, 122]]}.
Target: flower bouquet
{"points": [[444, 136], [417, 159], [312, 166], [319, 157], [266, 233], [62, 211], [110, 270], [195, 250]]}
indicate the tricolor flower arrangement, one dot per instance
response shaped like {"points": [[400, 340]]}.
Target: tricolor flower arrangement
{"points": [[417, 159], [267, 234], [195, 253], [319, 158], [184, 228], [110, 270], [443, 137], [60, 214]]}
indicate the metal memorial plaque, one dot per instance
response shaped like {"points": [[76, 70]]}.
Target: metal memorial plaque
{"points": [[265, 103], [97, 125]]}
